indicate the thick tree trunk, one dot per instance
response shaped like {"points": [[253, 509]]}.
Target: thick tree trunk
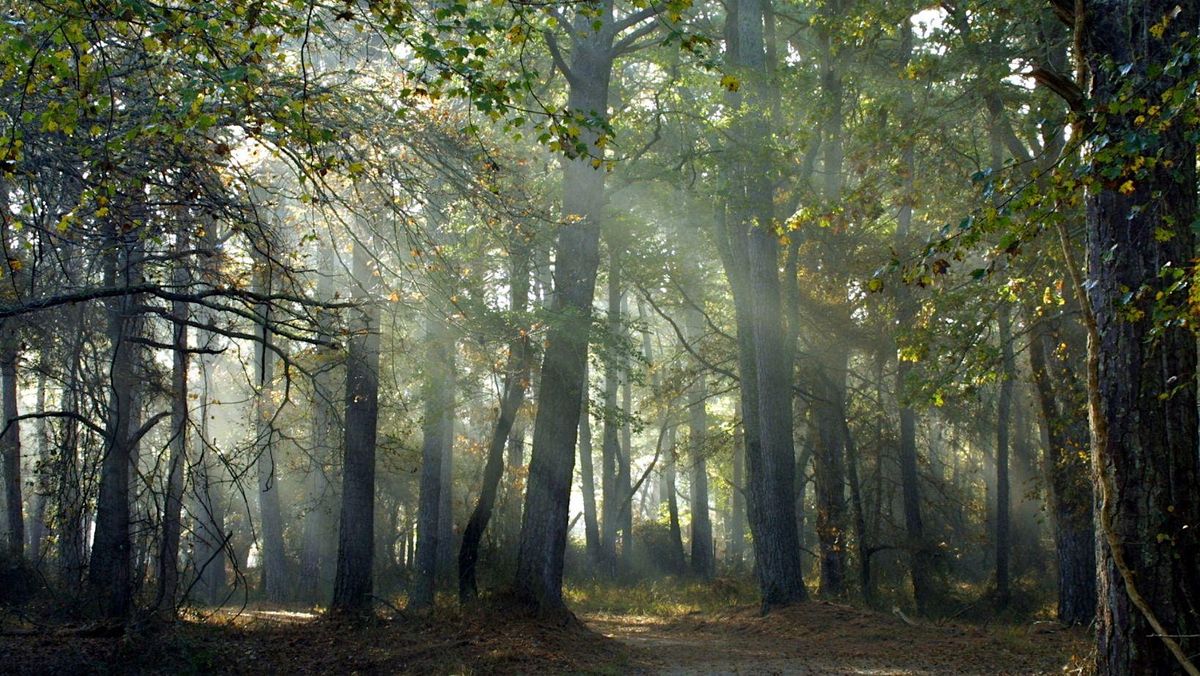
{"points": [[861, 539], [353, 581], [1142, 371], [516, 379], [324, 447], [109, 573], [750, 254], [552, 461]]}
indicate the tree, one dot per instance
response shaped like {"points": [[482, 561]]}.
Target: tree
{"points": [[352, 587], [1141, 372]]}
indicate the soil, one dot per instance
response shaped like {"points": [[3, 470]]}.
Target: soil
{"points": [[813, 638]]}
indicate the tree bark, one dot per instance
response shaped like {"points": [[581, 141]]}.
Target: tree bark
{"points": [[353, 581], [552, 460], [1142, 372], [109, 573], [750, 254], [10, 441]]}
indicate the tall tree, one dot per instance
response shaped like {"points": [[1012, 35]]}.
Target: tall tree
{"points": [[594, 47], [1142, 387], [353, 582]]}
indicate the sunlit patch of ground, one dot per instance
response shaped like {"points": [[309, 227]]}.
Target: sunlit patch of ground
{"points": [[825, 638]]}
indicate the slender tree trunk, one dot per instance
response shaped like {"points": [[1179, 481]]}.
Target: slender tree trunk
{"points": [[1061, 402], [737, 505], [920, 555], [272, 555], [1142, 371], [611, 455], [446, 532], [168, 557], [353, 584], [69, 507], [703, 557], [591, 525], [37, 520], [516, 379], [438, 400], [1003, 535], [10, 440], [323, 447]]}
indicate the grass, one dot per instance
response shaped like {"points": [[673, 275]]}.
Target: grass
{"points": [[668, 597]]}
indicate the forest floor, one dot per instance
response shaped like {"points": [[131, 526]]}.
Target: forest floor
{"points": [[660, 636]]}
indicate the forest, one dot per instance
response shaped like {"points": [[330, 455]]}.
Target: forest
{"points": [[599, 336]]}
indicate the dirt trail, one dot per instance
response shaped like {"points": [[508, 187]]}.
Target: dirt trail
{"points": [[821, 638]]}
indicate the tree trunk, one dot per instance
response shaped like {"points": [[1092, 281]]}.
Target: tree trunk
{"points": [[438, 399], [920, 554], [1142, 370], [737, 505], [10, 440], [446, 532], [37, 520], [703, 557], [863, 545], [323, 447], [1003, 535], [552, 461], [109, 573], [168, 557], [272, 555], [353, 583], [1061, 402], [829, 468], [610, 453], [516, 379], [750, 254], [591, 525]]}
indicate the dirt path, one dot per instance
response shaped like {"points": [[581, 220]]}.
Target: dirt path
{"points": [[821, 638]]}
